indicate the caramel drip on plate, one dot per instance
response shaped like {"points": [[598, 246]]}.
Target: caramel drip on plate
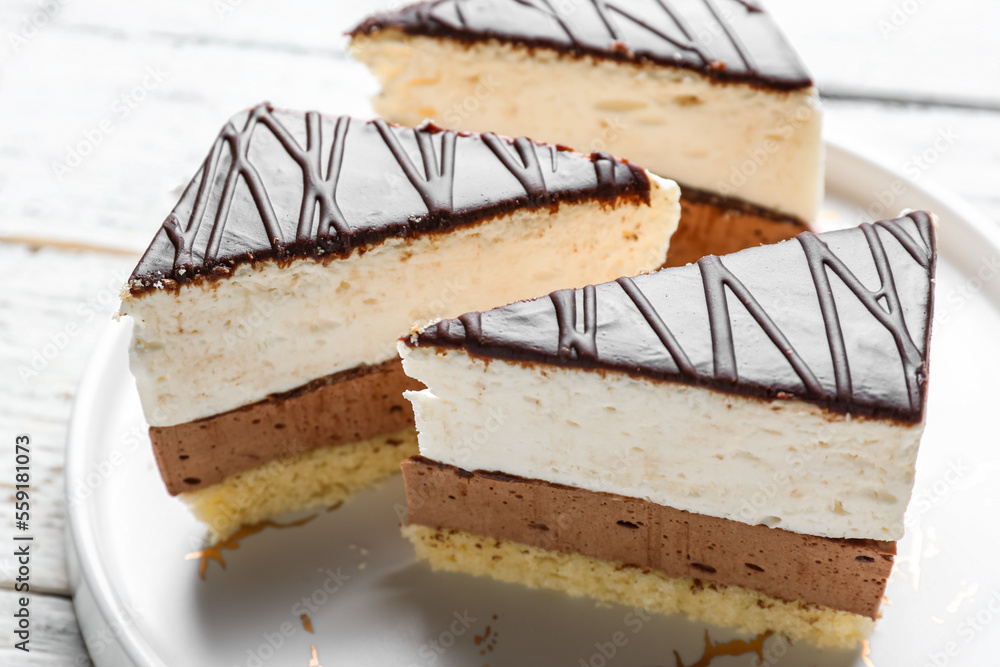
{"points": [[214, 552], [306, 623], [730, 648], [866, 650]]}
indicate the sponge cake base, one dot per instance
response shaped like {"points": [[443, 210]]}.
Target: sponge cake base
{"points": [[730, 606]]}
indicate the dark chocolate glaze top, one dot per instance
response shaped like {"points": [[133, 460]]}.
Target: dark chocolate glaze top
{"points": [[840, 319], [727, 40], [285, 185]]}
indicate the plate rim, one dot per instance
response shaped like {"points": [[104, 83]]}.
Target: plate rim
{"points": [[95, 600]]}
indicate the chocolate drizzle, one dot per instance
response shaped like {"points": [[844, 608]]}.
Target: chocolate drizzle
{"points": [[582, 344], [658, 326], [727, 40], [285, 185], [811, 325], [435, 185], [529, 170], [716, 278], [821, 258], [319, 190]]}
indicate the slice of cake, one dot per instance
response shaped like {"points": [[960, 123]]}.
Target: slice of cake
{"points": [[734, 439], [268, 305], [707, 92]]}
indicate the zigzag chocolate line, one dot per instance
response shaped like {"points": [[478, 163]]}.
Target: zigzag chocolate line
{"points": [[239, 147], [751, 7], [658, 326], [529, 171], [182, 236], [437, 183], [434, 188], [922, 255], [682, 25], [549, 11], [741, 49], [603, 7], [571, 340], [716, 278], [820, 257], [461, 14], [317, 190]]}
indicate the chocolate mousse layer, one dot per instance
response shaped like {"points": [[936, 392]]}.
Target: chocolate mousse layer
{"points": [[715, 225], [339, 409], [848, 575]]}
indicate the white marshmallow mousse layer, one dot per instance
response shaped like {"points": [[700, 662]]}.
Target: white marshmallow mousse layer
{"points": [[782, 463], [734, 139]]}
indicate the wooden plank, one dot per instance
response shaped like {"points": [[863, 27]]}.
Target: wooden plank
{"points": [[955, 148], [55, 639], [293, 25], [48, 326], [904, 47], [151, 87]]}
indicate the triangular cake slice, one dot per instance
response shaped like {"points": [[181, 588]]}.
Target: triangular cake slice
{"points": [[749, 422], [268, 304], [706, 92]]}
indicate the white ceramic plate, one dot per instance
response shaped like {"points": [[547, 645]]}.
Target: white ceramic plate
{"points": [[141, 603]]}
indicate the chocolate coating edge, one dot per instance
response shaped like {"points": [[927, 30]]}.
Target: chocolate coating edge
{"points": [[180, 253], [414, 19], [580, 349]]}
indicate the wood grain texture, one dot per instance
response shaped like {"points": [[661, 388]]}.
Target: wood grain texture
{"points": [[150, 86], [48, 327], [955, 148], [144, 87], [55, 635], [898, 48]]}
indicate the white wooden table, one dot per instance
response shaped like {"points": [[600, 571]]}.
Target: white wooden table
{"points": [[107, 107]]}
